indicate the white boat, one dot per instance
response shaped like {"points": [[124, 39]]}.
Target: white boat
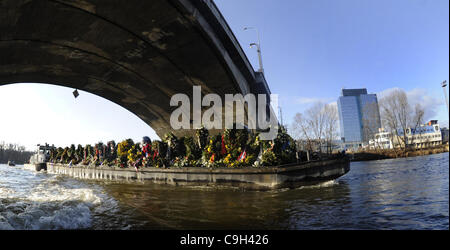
{"points": [[38, 161]]}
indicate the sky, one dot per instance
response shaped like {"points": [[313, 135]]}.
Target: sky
{"points": [[310, 49], [313, 49]]}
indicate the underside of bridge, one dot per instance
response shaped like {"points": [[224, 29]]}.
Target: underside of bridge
{"points": [[134, 53]]}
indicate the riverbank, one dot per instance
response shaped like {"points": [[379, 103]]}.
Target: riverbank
{"points": [[263, 178], [371, 155]]}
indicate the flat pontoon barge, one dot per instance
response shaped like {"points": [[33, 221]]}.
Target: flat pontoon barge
{"points": [[261, 178]]}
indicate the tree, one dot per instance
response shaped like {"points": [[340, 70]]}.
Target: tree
{"points": [[13, 152], [317, 124], [417, 120], [399, 117], [301, 132], [331, 121]]}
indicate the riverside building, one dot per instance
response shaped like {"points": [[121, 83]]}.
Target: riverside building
{"points": [[426, 135], [359, 117]]}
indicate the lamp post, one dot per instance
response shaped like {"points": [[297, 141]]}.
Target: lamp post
{"points": [[258, 47], [444, 84]]}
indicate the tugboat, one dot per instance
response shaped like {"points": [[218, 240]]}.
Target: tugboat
{"points": [[39, 160], [11, 163]]}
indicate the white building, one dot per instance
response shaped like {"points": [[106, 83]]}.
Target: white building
{"points": [[383, 140], [426, 135]]}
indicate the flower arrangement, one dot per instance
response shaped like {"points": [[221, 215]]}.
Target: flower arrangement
{"points": [[279, 151], [59, 152], [134, 154], [110, 154], [202, 135], [64, 156], [235, 148], [212, 155], [241, 147], [53, 153], [71, 153], [88, 154], [175, 147], [159, 154], [78, 154], [98, 154], [193, 152], [122, 152]]}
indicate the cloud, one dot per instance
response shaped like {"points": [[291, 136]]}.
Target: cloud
{"points": [[334, 104], [418, 96], [311, 100]]}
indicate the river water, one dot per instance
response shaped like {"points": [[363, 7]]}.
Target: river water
{"points": [[409, 193]]}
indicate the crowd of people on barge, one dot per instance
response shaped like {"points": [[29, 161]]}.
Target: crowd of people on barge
{"points": [[232, 148]]}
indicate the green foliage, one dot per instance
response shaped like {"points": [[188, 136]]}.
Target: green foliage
{"points": [[14, 152], [53, 153], [71, 152], [236, 148], [77, 155], [193, 152], [110, 154], [59, 154], [88, 154], [269, 158], [175, 147], [240, 142], [202, 137], [65, 156], [212, 157], [159, 154], [279, 151], [134, 153], [122, 152]]}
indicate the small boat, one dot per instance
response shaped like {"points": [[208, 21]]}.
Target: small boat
{"points": [[11, 163], [38, 161]]}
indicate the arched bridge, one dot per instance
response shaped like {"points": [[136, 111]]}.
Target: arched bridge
{"points": [[134, 53]]}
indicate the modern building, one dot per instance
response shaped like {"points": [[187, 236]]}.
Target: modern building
{"points": [[359, 117], [426, 135], [444, 133]]}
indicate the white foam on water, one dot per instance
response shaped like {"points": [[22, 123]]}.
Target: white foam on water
{"points": [[55, 203], [321, 185], [6, 192]]}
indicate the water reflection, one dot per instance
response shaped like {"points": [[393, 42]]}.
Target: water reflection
{"points": [[390, 194], [407, 193], [199, 208]]}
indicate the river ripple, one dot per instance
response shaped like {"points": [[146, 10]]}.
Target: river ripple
{"points": [[408, 193]]}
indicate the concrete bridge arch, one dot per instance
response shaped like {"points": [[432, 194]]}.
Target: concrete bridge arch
{"points": [[134, 53]]}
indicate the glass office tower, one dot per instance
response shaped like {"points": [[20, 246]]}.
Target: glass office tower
{"points": [[359, 117]]}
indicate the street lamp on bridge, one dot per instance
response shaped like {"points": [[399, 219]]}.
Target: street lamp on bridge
{"points": [[258, 47]]}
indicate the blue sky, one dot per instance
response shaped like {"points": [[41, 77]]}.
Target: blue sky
{"points": [[311, 49]]}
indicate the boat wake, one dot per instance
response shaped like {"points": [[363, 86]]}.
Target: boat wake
{"points": [[51, 202], [321, 185]]}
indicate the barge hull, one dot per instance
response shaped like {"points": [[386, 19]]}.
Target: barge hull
{"points": [[268, 178], [36, 166]]}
